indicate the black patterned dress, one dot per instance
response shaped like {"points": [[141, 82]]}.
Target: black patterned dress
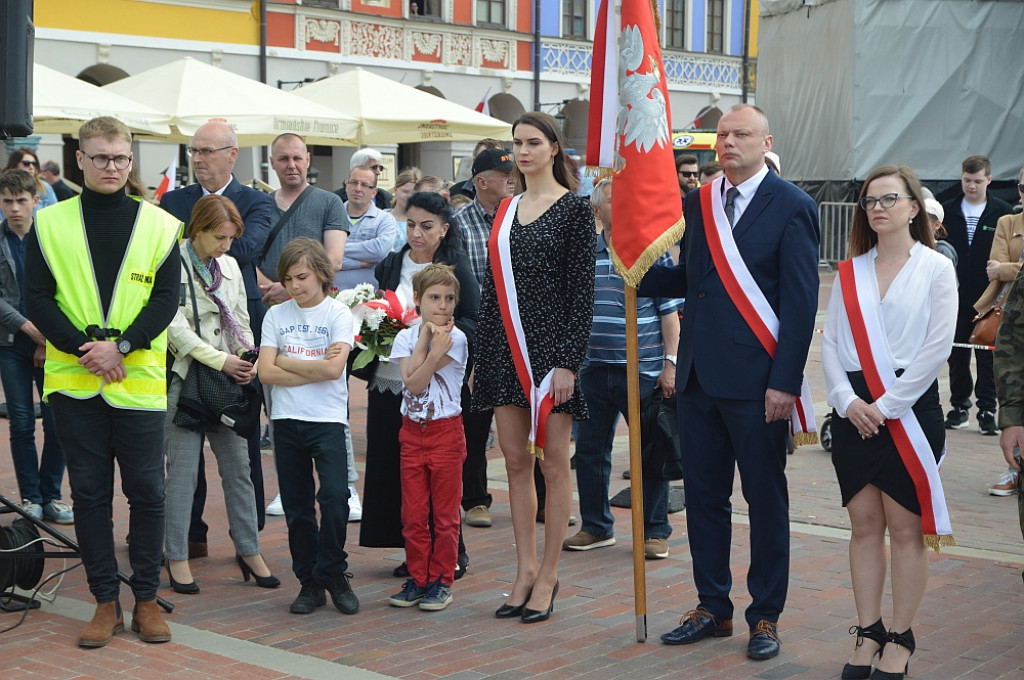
{"points": [[553, 264]]}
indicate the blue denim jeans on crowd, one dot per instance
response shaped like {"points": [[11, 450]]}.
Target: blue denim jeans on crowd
{"points": [[298, 447], [38, 479], [604, 387]]}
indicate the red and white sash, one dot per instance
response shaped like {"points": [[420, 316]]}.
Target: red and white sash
{"points": [[860, 299], [750, 300], [539, 396]]}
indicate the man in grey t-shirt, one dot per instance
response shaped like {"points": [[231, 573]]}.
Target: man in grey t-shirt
{"points": [[321, 215]]}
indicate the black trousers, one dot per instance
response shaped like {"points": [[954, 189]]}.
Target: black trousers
{"points": [[961, 383], [94, 435], [474, 471]]}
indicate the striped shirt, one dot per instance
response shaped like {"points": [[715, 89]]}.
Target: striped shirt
{"points": [[608, 336]]}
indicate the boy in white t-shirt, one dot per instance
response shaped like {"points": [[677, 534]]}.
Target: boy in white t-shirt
{"points": [[306, 341], [432, 356]]}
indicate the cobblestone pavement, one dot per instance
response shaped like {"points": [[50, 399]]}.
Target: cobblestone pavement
{"points": [[971, 623]]}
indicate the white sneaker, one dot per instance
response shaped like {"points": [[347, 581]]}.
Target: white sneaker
{"points": [[275, 508], [31, 508], [355, 508]]}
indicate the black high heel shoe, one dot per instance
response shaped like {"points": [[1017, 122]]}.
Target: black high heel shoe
{"points": [[875, 632], [508, 611], [182, 588], [904, 639], [536, 616], [262, 581]]}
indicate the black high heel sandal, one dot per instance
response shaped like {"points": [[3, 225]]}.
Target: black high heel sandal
{"points": [[508, 611], [875, 632], [536, 616], [904, 639], [182, 588], [262, 581]]}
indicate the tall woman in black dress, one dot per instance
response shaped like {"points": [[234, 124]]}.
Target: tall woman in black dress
{"points": [[907, 291], [551, 246]]}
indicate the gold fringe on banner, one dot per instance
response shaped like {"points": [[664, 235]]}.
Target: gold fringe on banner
{"points": [[805, 438], [633, 275], [535, 450], [936, 542]]}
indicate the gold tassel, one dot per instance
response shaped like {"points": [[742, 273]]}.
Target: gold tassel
{"points": [[805, 438], [937, 542], [535, 450], [633, 276]]}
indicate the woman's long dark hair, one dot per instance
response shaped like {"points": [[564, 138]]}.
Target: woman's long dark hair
{"points": [[561, 167], [863, 237]]}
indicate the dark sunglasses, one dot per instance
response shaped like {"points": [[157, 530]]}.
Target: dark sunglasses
{"points": [[30, 164], [1020, 188], [687, 173]]}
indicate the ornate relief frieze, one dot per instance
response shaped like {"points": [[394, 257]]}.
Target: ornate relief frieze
{"points": [[321, 30], [427, 43], [376, 40], [495, 51], [459, 50]]}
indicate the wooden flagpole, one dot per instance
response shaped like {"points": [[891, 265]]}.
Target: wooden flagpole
{"points": [[636, 485]]}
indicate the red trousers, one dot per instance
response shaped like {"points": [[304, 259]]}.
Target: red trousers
{"points": [[433, 453]]}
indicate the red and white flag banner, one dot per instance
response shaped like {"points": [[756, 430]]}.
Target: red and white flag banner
{"points": [[629, 132], [168, 180], [860, 299], [750, 300]]}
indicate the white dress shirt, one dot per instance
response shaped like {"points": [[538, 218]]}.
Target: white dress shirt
{"points": [[918, 317], [747, 190]]}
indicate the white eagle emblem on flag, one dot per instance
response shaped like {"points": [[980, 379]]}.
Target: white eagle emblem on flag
{"points": [[641, 120]]}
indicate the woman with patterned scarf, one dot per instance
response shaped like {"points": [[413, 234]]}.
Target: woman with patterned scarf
{"points": [[223, 336]]}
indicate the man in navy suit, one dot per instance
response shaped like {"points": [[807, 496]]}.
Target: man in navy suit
{"points": [[734, 398], [214, 151]]}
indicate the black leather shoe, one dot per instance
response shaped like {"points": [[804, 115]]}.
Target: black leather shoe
{"points": [[310, 597], [904, 639], [508, 611], [182, 588], [697, 624], [875, 632], [538, 615], [764, 641], [340, 591]]}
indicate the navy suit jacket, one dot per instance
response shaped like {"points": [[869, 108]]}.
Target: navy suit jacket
{"points": [[777, 235], [256, 209]]}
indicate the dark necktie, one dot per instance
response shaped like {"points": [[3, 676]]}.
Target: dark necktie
{"points": [[730, 204]]}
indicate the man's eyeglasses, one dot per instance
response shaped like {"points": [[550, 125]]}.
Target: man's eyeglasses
{"points": [[378, 168], [356, 184], [688, 174], [885, 200], [101, 161], [30, 164], [199, 153]]}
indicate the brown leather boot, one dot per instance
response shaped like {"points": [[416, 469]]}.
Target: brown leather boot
{"points": [[106, 622], [149, 623]]}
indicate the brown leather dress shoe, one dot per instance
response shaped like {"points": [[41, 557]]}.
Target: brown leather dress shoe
{"points": [[149, 623], [197, 549], [106, 622]]}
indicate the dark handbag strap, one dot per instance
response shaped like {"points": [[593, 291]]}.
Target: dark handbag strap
{"points": [[281, 222], [192, 290], [1006, 286]]}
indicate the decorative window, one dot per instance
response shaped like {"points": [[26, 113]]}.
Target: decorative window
{"points": [[574, 19], [675, 24], [716, 27]]}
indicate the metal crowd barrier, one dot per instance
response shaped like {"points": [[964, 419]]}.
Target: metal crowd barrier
{"points": [[835, 220]]}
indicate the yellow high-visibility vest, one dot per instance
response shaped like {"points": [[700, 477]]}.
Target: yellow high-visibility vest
{"points": [[62, 239]]}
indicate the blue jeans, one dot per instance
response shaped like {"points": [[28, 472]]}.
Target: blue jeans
{"points": [[95, 435], [38, 479], [604, 387], [298, 446]]}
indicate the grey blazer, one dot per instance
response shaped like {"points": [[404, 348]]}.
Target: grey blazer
{"points": [[10, 318]]}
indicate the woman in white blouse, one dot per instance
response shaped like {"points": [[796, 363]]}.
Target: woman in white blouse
{"points": [[909, 290]]}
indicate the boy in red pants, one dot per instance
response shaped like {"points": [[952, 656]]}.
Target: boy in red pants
{"points": [[432, 356]]}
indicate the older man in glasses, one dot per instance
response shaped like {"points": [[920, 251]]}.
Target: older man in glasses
{"points": [[374, 161], [372, 233], [214, 151]]}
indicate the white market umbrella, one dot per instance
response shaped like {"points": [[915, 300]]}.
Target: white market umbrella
{"points": [[390, 112], [194, 93], [61, 103]]}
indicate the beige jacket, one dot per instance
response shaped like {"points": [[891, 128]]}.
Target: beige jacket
{"points": [[209, 347], [1007, 245]]}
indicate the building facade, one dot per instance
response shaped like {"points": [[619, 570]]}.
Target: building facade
{"points": [[464, 50]]}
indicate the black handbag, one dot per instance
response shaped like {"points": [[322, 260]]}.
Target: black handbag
{"points": [[210, 398], [660, 450]]}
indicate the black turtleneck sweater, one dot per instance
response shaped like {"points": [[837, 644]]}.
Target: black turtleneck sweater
{"points": [[109, 221]]}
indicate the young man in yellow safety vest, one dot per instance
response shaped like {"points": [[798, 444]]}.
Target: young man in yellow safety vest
{"points": [[102, 281]]}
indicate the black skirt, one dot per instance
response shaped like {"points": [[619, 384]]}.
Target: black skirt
{"points": [[859, 462]]}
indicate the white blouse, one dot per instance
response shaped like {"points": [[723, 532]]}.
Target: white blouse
{"points": [[918, 315]]}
